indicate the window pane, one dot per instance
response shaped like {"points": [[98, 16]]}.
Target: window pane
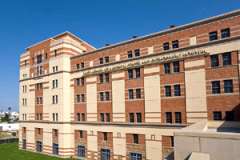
{"points": [[168, 117], [176, 66], [177, 90], [130, 94], [137, 52], [166, 46], [214, 61], [217, 115], [130, 74], [131, 117], [175, 44], [178, 117], [227, 59], [228, 86], [139, 117], [138, 93], [225, 33], [137, 70], [167, 91], [167, 68], [213, 36], [216, 87]]}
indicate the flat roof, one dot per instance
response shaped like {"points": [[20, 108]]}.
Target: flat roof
{"points": [[169, 30]]}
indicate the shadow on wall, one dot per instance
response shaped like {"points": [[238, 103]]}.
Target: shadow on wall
{"points": [[232, 121]]}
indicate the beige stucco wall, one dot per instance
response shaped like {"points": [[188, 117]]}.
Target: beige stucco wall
{"points": [[152, 95], [92, 101]]}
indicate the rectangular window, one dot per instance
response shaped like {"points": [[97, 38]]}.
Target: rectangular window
{"points": [[230, 116], [135, 139], [135, 156], [82, 98], [139, 117], [178, 117], [130, 55], [55, 149], [177, 90], [138, 93], [102, 117], [78, 66], [105, 137], [106, 59], [131, 117], [82, 81], [130, 74], [107, 97], [227, 59], [217, 115], [168, 91], [107, 117], [101, 78], [228, 86], [176, 66], [213, 36], [106, 77], [130, 94], [168, 117], [39, 146], [81, 151], [137, 52], [214, 61], [101, 96], [82, 65], [105, 154], [216, 87], [101, 60], [78, 117], [81, 134], [167, 68], [175, 44], [166, 46], [225, 33], [39, 59], [83, 117], [138, 74]]}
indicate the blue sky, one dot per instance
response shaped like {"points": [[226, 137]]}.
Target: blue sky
{"points": [[98, 22]]}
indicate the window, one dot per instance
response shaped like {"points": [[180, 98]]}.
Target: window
{"points": [[39, 146], [82, 97], [105, 138], [55, 53], [138, 93], [168, 91], [135, 139], [213, 36], [139, 117], [137, 52], [81, 134], [228, 86], [104, 78], [214, 61], [130, 74], [54, 69], [178, 117], [101, 96], [177, 90], [135, 156], [225, 33], [230, 116], [167, 68], [39, 59], [39, 86], [137, 70], [130, 55], [106, 59], [216, 87], [24, 144], [78, 117], [55, 83], [101, 60], [176, 66], [107, 117], [130, 94], [78, 66], [102, 117], [81, 151], [105, 154], [82, 65], [55, 149], [227, 59], [217, 115], [175, 44], [55, 99], [166, 46], [83, 117], [131, 117], [168, 117]]}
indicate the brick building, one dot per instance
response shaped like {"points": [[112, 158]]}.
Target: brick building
{"points": [[124, 101]]}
